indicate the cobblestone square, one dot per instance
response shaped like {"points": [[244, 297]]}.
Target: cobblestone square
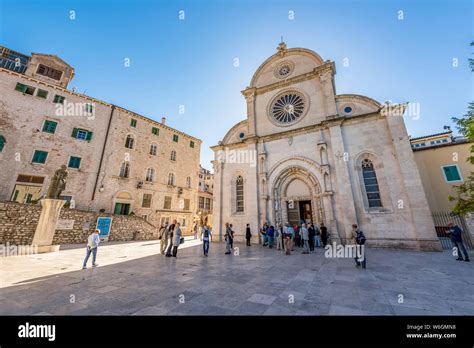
{"points": [[133, 279]]}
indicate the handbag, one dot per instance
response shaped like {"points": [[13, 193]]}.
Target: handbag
{"points": [[181, 240]]}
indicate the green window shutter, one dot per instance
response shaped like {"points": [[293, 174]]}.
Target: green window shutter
{"points": [[40, 156], [2, 143], [451, 173], [89, 136], [74, 133], [20, 87]]}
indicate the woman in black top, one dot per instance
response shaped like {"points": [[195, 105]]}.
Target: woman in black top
{"points": [[248, 234]]}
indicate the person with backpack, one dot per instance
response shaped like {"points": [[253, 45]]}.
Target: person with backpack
{"points": [[248, 234], [206, 237], [358, 239], [92, 244], [227, 237], [455, 233]]}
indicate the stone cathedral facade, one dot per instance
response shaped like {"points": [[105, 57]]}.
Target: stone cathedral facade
{"points": [[305, 153]]}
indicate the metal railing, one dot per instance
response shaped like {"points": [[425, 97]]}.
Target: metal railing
{"points": [[441, 220]]}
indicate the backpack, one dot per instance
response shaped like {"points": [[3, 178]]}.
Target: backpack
{"points": [[360, 239]]}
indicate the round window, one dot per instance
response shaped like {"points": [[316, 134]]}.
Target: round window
{"points": [[241, 135], [284, 70], [347, 109], [288, 108]]}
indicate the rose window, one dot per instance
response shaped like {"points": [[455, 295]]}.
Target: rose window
{"points": [[288, 108]]}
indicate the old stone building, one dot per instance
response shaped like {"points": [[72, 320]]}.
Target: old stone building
{"points": [[118, 161], [305, 153], [206, 185], [442, 162]]}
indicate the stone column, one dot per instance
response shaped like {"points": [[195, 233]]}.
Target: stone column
{"points": [[417, 202], [343, 195], [44, 234]]}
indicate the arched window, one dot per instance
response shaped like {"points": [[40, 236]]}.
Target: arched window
{"points": [[150, 175], [173, 155], [153, 149], [370, 183], [239, 194], [125, 170], [171, 179], [129, 142], [188, 182], [2, 143]]}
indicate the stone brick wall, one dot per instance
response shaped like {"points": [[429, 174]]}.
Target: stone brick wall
{"points": [[18, 224]]}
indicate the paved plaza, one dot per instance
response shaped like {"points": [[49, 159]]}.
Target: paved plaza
{"points": [[133, 279]]}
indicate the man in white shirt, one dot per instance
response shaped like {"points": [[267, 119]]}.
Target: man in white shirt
{"points": [[305, 237], [92, 244]]}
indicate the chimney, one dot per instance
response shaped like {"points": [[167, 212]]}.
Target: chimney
{"points": [[163, 120]]}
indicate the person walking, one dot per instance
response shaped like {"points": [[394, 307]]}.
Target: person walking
{"points": [[195, 230], [455, 233], [358, 239], [177, 238], [248, 234], [170, 238], [163, 238], [228, 236], [206, 238], [305, 239], [92, 244], [312, 236], [324, 234], [279, 237]]}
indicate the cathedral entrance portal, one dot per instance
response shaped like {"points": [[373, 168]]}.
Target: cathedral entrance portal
{"points": [[297, 197], [299, 212]]}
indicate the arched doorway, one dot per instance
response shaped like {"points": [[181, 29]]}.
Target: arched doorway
{"points": [[297, 197]]}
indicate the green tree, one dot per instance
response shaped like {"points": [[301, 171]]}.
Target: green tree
{"points": [[465, 193]]}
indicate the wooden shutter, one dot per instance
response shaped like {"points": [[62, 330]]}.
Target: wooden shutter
{"points": [[89, 136], [74, 133]]}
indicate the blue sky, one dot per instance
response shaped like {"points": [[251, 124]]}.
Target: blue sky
{"points": [[191, 62]]}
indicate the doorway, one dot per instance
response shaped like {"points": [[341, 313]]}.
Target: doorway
{"points": [[122, 208], [306, 212], [299, 212]]}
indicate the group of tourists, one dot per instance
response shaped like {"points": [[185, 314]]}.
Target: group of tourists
{"points": [[306, 236], [171, 237], [286, 237]]}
